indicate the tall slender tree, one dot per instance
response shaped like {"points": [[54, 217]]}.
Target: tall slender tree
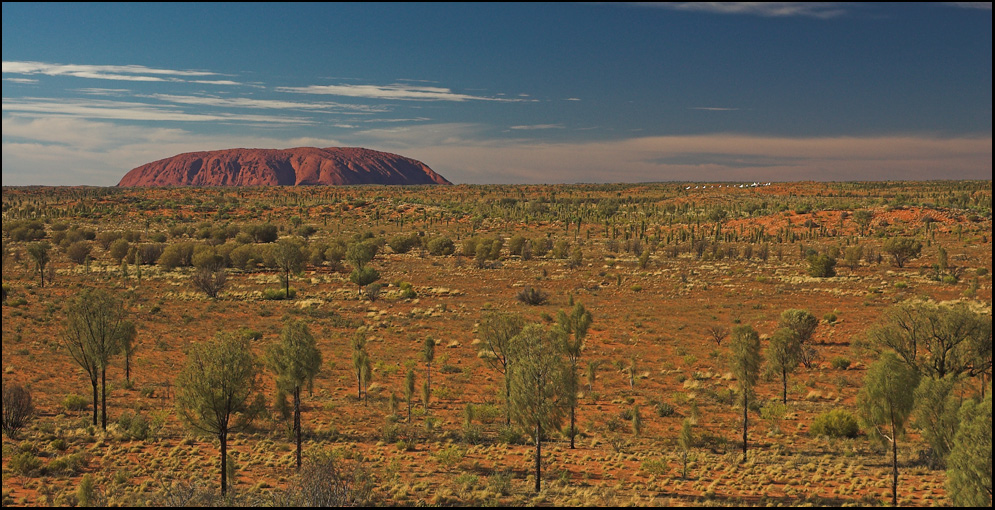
{"points": [[885, 402], [360, 360], [92, 334], [295, 360], [537, 397], [428, 355], [685, 444], [126, 343], [575, 328], [40, 253], [496, 332], [215, 390], [783, 353], [745, 361], [409, 389], [289, 255]]}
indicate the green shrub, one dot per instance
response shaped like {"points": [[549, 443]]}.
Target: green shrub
{"points": [[78, 252], [515, 245], [500, 483], [450, 456], [24, 463], [134, 425], [511, 435], [664, 410], [402, 243], [279, 294], [655, 467], [86, 492], [532, 296], [75, 403], [835, 423], [821, 266], [440, 246], [407, 291], [68, 465], [840, 363]]}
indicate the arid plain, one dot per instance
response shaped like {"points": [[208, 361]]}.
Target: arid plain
{"points": [[667, 272]]}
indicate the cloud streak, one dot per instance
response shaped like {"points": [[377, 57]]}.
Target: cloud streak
{"points": [[263, 104], [127, 111], [819, 10], [110, 72], [397, 91], [538, 127]]}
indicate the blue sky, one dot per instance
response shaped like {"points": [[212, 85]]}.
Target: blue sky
{"points": [[507, 93]]}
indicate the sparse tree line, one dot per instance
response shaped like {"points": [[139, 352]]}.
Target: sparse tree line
{"points": [[937, 350], [649, 227]]}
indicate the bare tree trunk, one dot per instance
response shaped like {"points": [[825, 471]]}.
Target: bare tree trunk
{"points": [[538, 457], [784, 381], [507, 398], [96, 400], [223, 436], [103, 397], [573, 431], [746, 408], [297, 422], [894, 466]]}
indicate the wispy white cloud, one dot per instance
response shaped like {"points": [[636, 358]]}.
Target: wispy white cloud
{"points": [[266, 104], [820, 10], [395, 91], [110, 72], [98, 91], [215, 82], [129, 111], [538, 127], [972, 5], [21, 80]]}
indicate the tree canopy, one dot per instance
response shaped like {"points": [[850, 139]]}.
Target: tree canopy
{"points": [[215, 390]]}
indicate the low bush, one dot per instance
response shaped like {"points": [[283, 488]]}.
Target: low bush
{"points": [[279, 294], [664, 410], [441, 246], [75, 403], [821, 266], [836, 423], [840, 363], [532, 296], [24, 463], [511, 435]]}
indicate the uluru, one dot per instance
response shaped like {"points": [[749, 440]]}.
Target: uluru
{"points": [[301, 166]]}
